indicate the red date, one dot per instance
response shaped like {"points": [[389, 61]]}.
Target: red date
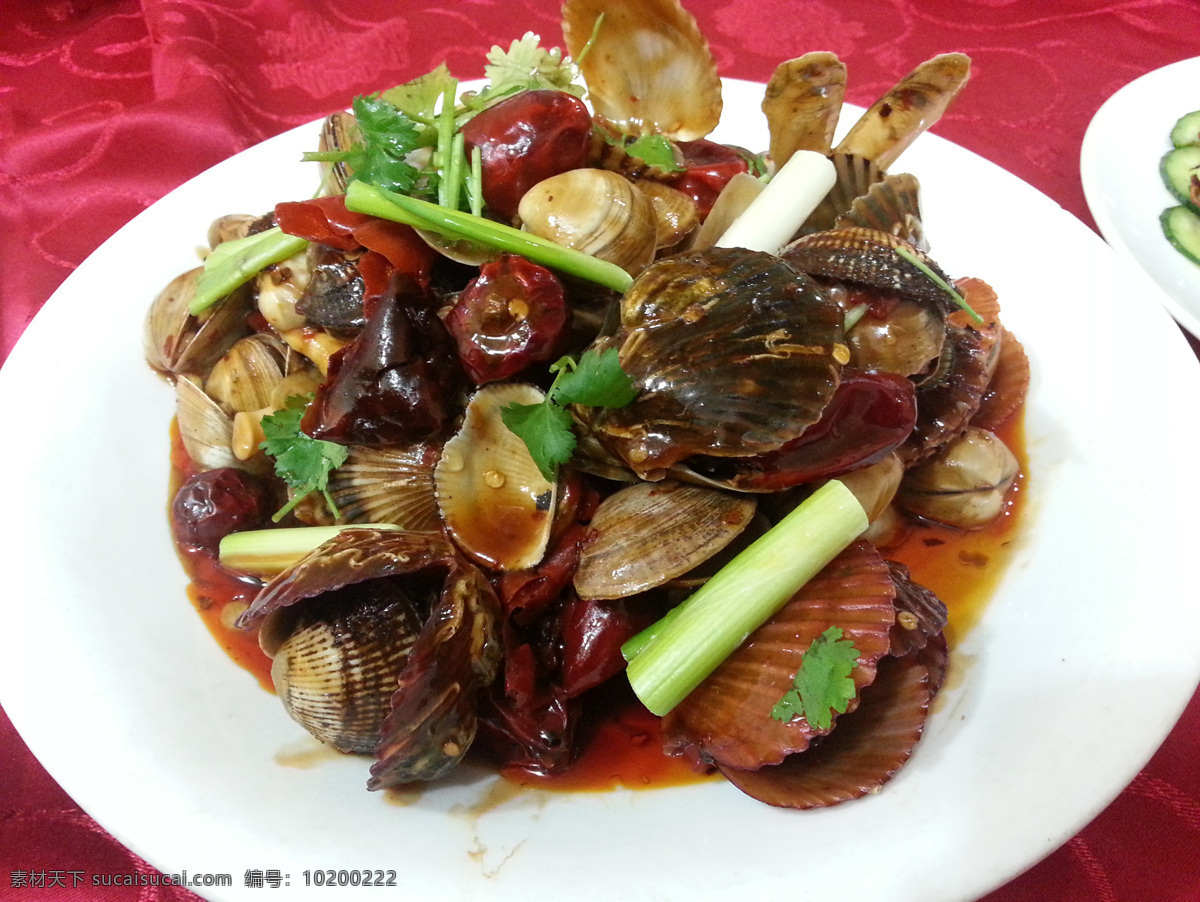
{"points": [[212, 504], [512, 314], [525, 139]]}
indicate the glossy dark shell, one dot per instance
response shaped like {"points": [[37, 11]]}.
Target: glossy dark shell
{"points": [[869, 257], [733, 352], [946, 404]]}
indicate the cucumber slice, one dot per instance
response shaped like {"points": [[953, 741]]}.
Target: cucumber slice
{"points": [[1177, 169], [1181, 225], [1187, 130]]}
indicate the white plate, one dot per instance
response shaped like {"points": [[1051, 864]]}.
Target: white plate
{"points": [[1078, 669], [1118, 163]]}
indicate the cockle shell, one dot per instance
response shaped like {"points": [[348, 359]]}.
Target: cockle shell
{"points": [[648, 67], [650, 533], [496, 505], [336, 670], [594, 211]]}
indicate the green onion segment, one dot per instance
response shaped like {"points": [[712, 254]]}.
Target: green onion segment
{"points": [[233, 263], [673, 656], [265, 552]]}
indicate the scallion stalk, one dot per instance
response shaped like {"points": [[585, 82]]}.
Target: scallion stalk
{"points": [[233, 263], [265, 552], [705, 629], [376, 201]]}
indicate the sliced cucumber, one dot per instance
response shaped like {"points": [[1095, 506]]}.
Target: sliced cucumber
{"points": [[1187, 130], [1181, 225], [1177, 169]]}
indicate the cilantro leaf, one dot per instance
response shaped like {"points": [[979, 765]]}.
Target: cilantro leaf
{"points": [[301, 461], [546, 431], [823, 683], [523, 66], [596, 381], [418, 98], [388, 137], [656, 151]]}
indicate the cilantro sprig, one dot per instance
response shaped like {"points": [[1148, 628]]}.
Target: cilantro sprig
{"points": [[386, 137], [301, 461], [596, 380], [823, 683]]}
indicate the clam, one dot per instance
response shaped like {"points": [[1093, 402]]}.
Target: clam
{"points": [[496, 505], [246, 375], [279, 288], [339, 132], [648, 68], [676, 215], [230, 227], [205, 429], [376, 609], [174, 341], [650, 533], [964, 485], [733, 352], [594, 211]]}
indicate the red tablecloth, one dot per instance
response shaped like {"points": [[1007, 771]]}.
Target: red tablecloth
{"points": [[106, 105]]}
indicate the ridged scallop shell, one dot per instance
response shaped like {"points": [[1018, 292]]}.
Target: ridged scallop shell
{"points": [[869, 257], [650, 533], [335, 671], [495, 503], [727, 718], [802, 104], [733, 353], [174, 341], [869, 746], [594, 211], [649, 69], [387, 485], [1008, 386], [892, 205]]}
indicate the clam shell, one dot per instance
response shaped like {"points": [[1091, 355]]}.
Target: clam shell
{"points": [[802, 104], [965, 484], [495, 503], [387, 485], [230, 227], [594, 211], [649, 69], [733, 353], [336, 670], [650, 533], [246, 375], [174, 341], [675, 214], [206, 430]]}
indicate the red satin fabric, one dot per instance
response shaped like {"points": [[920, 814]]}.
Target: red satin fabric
{"points": [[106, 105]]}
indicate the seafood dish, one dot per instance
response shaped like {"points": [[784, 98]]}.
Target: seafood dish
{"points": [[547, 406]]}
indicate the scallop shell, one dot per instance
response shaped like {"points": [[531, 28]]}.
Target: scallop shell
{"points": [[650, 533], [594, 211], [802, 104], [648, 67], [387, 485], [892, 205], [869, 257], [336, 670], [728, 719], [495, 503], [734, 354]]}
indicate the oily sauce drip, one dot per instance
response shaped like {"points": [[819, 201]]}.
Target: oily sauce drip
{"points": [[621, 742]]}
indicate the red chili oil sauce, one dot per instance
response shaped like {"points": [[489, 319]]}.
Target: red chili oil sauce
{"points": [[623, 747]]}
